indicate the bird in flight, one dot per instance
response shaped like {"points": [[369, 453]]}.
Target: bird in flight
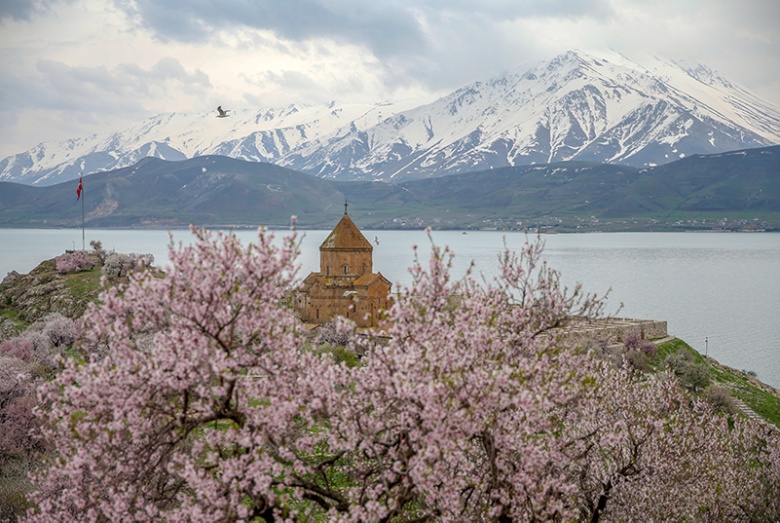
{"points": [[222, 113]]}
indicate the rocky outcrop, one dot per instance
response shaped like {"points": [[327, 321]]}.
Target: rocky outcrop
{"points": [[27, 298]]}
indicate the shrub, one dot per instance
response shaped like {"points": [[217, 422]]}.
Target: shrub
{"points": [[632, 341], [60, 331], [720, 398], [97, 247], [119, 265], [336, 332], [19, 445], [679, 362], [690, 374], [635, 343], [40, 343], [13, 500], [18, 347], [648, 348], [76, 261], [31, 346], [346, 356], [696, 378], [637, 360], [17, 399]]}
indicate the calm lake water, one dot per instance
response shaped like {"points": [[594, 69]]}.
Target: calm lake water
{"points": [[724, 287]]}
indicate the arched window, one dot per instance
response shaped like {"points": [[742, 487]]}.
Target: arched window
{"points": [[346, 270], [327, 270], [364, 268]]}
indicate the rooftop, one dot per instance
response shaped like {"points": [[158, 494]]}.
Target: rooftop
{"points": [[346, 235]]}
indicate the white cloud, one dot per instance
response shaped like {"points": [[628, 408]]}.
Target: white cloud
{"points": [[68, 68]]}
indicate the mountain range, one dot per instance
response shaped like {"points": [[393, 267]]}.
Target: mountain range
{"points": [[578, 106], [735, 190]]}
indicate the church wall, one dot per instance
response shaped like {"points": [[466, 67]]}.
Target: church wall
{"points": [[365, 307], [358, 262]]}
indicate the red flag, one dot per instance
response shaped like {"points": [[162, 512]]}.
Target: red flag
{"points": [[78, 191]]}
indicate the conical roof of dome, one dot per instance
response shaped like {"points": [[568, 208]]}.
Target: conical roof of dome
{"points": [[346, 235]]}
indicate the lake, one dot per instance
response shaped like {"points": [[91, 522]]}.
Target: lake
{"points": [[722, 287]]}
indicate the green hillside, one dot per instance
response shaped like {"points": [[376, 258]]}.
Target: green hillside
{"points": [[738, 190]]}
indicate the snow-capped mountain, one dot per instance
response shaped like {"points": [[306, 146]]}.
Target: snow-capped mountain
{"points": [[267, 135], [578, 106]]}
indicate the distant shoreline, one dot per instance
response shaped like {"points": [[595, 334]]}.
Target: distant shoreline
{"points": [[276, 227]]}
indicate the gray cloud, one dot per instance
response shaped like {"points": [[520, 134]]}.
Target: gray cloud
{"points": [[60, 58], [72, 101], [27, 10], [20, 9], [442, 44], [91, 89], [513, 9], [389, 29], [384, 28], [433, 43]]}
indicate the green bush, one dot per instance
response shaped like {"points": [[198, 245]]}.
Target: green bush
{"points": [[691, 375], [720, 398]]}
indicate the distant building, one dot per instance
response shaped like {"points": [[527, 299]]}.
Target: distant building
{"points": [[346, 284]]}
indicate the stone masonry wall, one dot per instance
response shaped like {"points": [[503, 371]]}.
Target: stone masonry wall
{"points": [[615, 330]]}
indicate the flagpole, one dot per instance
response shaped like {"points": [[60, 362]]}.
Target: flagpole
{"points": [[83, 240]]}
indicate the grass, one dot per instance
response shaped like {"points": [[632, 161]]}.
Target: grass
{"points": [[85, 284], [672, 347], [742, 386], [13, 315], [764, 404]]}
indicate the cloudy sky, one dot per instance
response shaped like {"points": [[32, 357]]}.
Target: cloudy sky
{"points": [[71, 68]]}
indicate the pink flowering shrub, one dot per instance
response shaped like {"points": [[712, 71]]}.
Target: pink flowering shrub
{"points": [[20, 445], [17, 399], [26, 361], [648, 348], [19, 347], [637, 351], [59, 330], [336, 332], [209, 404], [632, 341], [32, 346], [76, 261]]}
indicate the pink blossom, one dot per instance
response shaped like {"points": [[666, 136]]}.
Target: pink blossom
{"points": [[207, 402], [75, 261]]}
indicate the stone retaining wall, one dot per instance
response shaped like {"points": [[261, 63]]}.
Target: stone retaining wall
{"points": [[610, 330], [615, 330]]}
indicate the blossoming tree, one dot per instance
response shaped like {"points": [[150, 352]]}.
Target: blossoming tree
{"points": [[200, 397]]}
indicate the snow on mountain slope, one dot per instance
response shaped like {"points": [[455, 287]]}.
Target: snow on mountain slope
{"points": [[577, 106], [263, 135]]}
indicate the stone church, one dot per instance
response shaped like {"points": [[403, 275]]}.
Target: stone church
{"points": [[346, 284]]}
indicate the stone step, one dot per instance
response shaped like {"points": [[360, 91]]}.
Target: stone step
{"points": [[747, 411]]}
